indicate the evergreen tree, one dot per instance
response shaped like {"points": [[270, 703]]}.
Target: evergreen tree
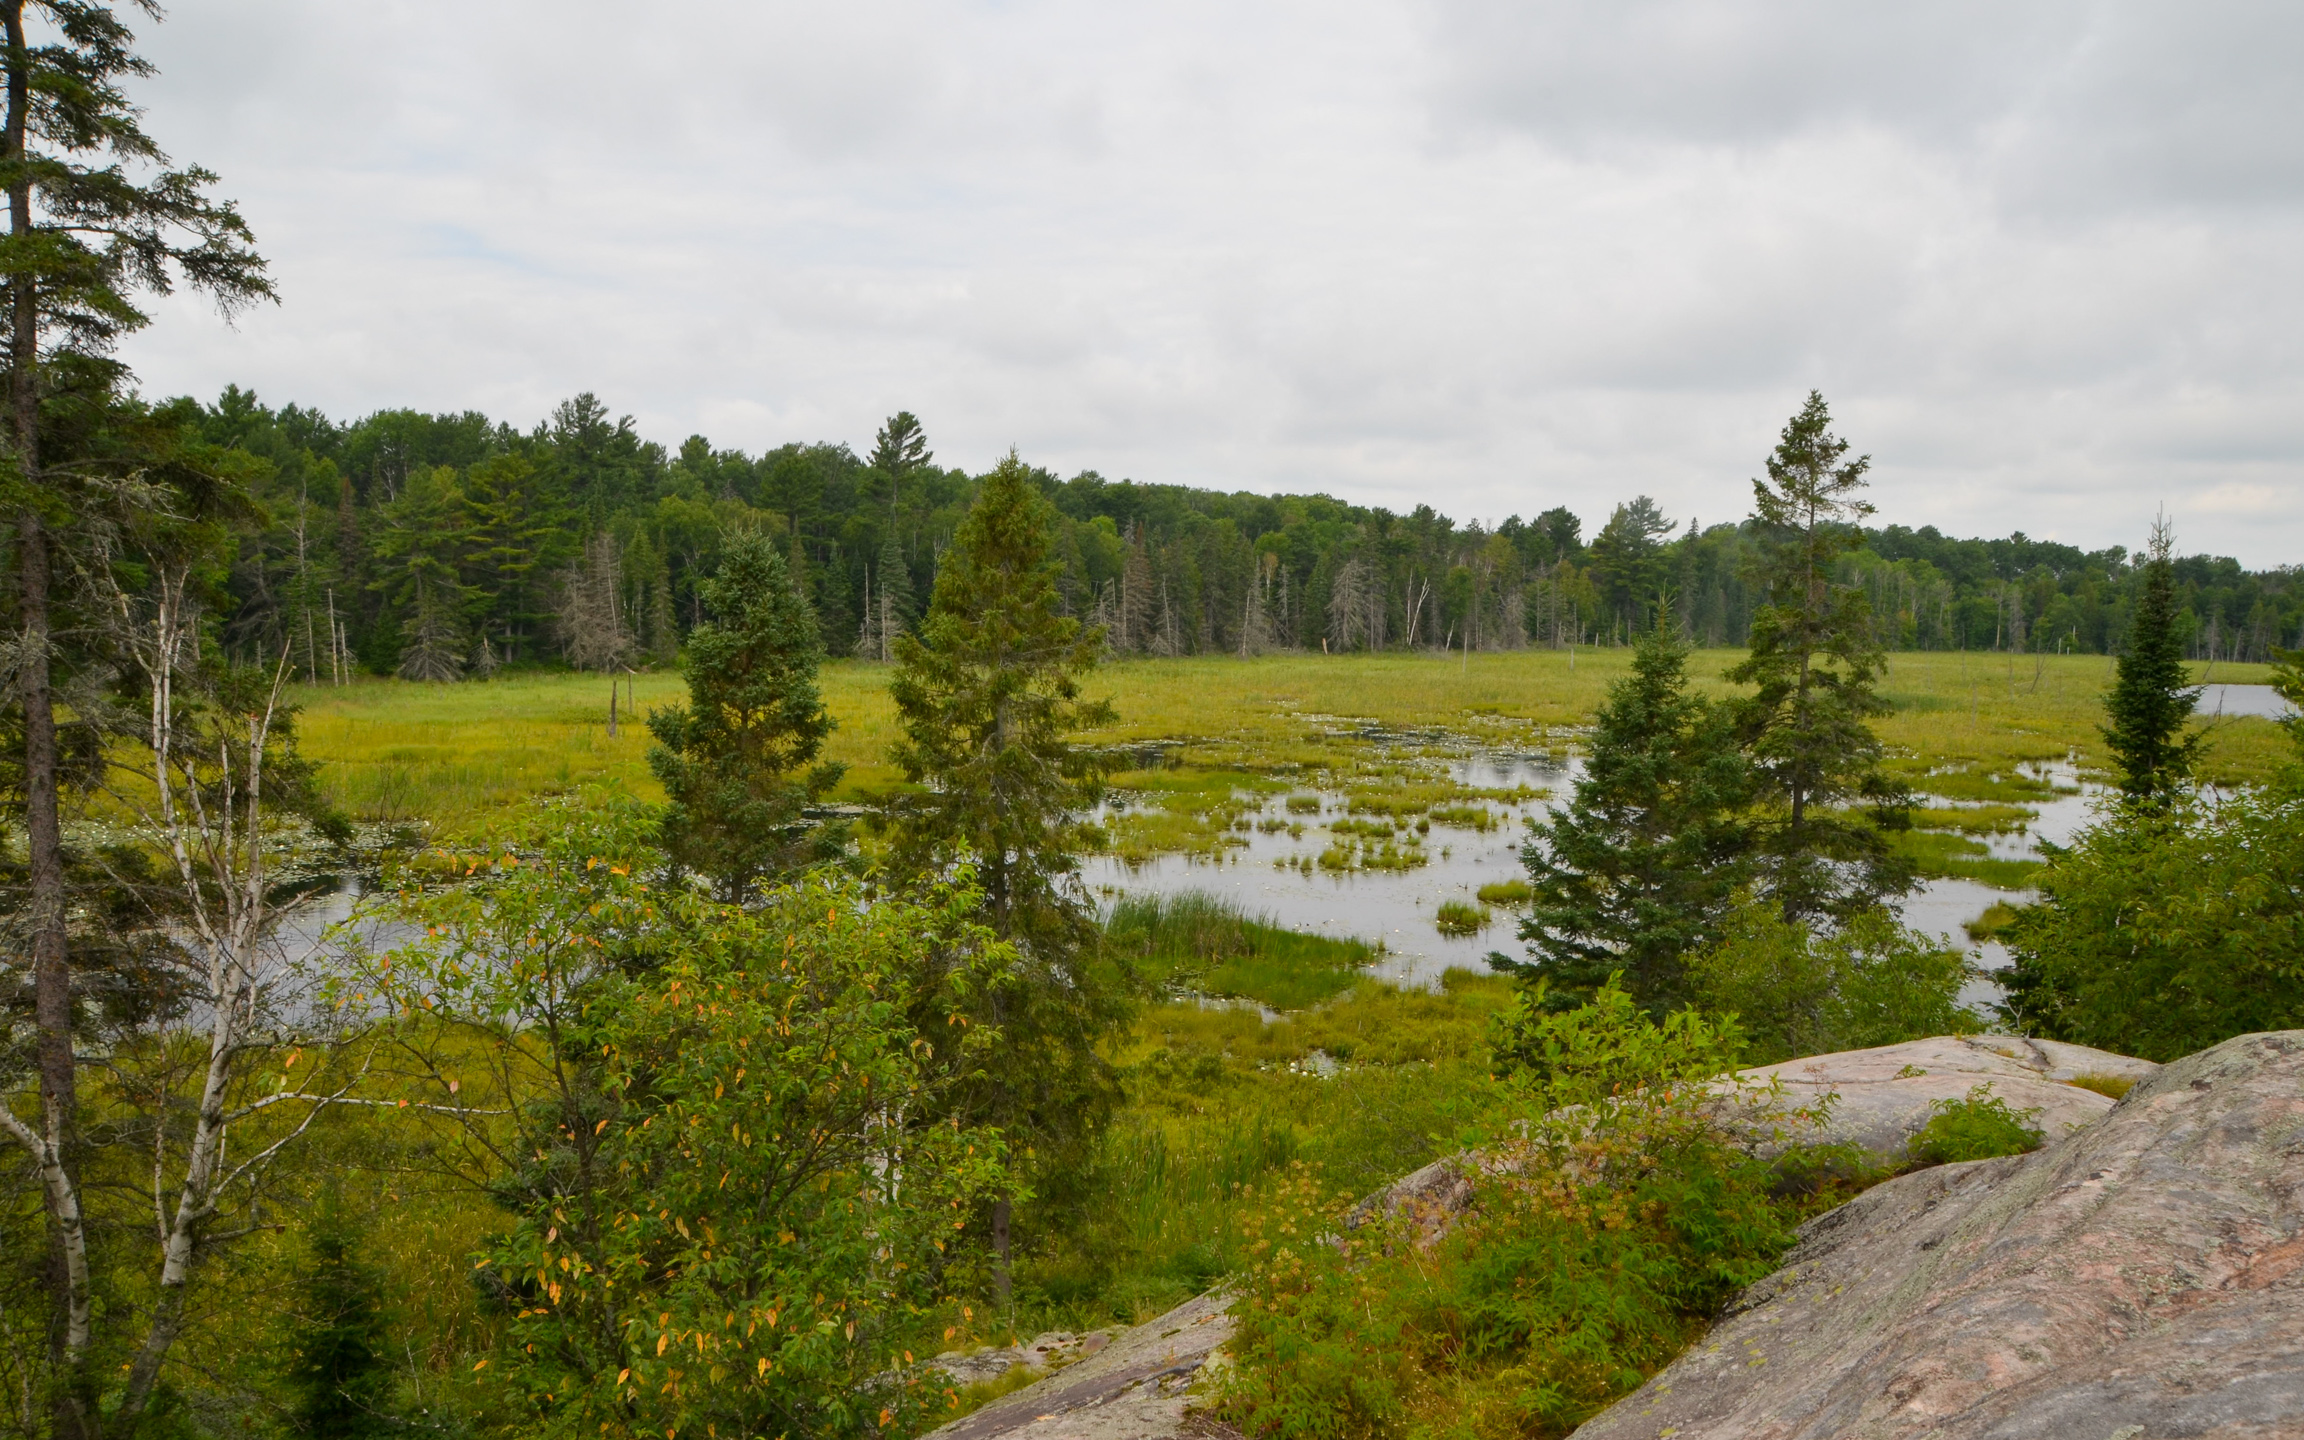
{"points": [[2288, 680], [97, 218], [2150, 700], [1629, 562], [901, 447], [435, 651], [988, 696], [339, 1381], [1814, 662], [1637, 873], [739, 761]]}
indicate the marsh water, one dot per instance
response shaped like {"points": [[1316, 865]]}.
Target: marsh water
{"points": [[2261, 701], [1267, 874]]}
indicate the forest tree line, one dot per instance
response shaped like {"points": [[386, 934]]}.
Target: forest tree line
{"points": [[443, 546]]}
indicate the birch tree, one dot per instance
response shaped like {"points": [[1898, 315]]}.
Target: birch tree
{"points": [[216, 775]]}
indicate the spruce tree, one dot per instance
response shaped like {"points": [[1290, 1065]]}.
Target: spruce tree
{"points": [[1813, 664], [2151, 699], [339, 1380], [1638, 871], [739, 760], [988, 695]]}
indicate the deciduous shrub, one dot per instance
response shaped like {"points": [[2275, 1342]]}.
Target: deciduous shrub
{"points": [[2167, 927], [1810, 990], [1977, 1127], [1613, 1217]]}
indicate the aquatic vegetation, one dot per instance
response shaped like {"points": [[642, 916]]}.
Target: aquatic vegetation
{"points": [[1455, 917], [1505, 892]]}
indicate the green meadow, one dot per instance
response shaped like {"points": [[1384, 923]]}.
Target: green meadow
{"points": [[462, 757]]}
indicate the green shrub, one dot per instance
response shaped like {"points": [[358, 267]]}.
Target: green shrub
{"points": [[1978, 1127], [1617, 1219], [1800, 991], [2166, 928]]}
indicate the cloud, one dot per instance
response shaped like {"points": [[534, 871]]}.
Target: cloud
{"points": [[1486, 255]]}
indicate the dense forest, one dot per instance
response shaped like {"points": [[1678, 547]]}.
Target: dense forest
{"points": [[439, 546]]}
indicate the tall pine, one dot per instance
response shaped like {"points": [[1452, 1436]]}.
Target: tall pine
{"points": [[1638, 871], [1813, 665], [739, 760], [2151, 698]]}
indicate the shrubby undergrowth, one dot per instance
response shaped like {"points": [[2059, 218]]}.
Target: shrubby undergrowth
{"points": [[1614, 1214]]}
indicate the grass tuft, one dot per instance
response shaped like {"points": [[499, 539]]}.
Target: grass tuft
{"points": [[1454, 917]]}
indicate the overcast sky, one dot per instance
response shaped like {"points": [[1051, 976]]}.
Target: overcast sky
{"points": [[2043, 259]]}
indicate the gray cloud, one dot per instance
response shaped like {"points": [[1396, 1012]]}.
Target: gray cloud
{"points": [[1487, 255]]}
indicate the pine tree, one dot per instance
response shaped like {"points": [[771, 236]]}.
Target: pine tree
{"points": [[739, 760], [988, 696], [900, 448], [338, 1378], [1638, 872], [2151, 699], [97, 219], [1814, 661]]}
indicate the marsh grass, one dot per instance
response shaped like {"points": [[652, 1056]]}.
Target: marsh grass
{"points": [[1151, 1216], [1200, 942], [1936, 853], [459, 755], [1506, 893], [1975, 819], [1455, 917]]}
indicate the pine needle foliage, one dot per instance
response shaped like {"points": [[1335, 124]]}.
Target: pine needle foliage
{"points": [[1636, 873], [2151, 699], [1814, 662], [739, 760]]}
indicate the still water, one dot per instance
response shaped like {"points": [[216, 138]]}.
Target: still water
{"points": [[1397, 907], [2261, 701]]}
